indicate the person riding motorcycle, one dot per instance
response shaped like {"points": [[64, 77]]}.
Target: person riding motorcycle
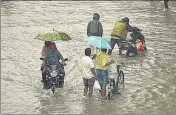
{"points": [[53, 58], [45, 48]]}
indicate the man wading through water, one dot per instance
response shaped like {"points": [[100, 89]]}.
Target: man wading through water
{"points": [[88, 70], [102, 64], [119, 33], [95, 28]]}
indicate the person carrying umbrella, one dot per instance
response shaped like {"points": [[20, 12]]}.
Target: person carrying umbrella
{"points": [[45, 48], [94, 28], [101, 61], [102, 70], [49, 39], [44, 51]]}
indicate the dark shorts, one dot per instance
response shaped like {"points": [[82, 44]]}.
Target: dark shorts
{"points": [[89, 82], [102, 76]]}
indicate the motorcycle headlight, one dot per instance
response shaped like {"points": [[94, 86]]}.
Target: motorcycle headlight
{"points": [[53, 74]]}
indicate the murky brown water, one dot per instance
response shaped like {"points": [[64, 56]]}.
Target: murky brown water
{"points": [[149, 80]]}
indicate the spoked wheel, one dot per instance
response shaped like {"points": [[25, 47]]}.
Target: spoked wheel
{"points": [[117, 82], [110, 95], [110, 89], [120, 52], [53, 88]]}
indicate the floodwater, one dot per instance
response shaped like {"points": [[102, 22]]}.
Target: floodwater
{"points": [[150, 79]]}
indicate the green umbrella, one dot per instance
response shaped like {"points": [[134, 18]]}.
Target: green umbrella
{"points": [[53, 36]]}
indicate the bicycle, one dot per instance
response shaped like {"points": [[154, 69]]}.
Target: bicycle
{"points": [[114, 84]]}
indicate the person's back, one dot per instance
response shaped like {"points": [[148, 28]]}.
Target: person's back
{"points": [[53, 57], [101, 61], [119, 30], [87, 64], [94, 27], [102, 64], [45, 48], [44, 51], [88, 70]]}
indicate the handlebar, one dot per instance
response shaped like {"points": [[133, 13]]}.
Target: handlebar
{"points": [[41, 58], [136, 29], [65, 59], [49, 65], [121, 64]]}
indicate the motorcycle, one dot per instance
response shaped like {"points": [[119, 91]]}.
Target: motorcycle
{"points": [[126, 49], [130, 48], [54, 77]]}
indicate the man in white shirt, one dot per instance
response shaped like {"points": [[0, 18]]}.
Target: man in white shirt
{"points": [[88, 70]]}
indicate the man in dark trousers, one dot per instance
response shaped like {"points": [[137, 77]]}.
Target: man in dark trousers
{"points": [[166, 4]]}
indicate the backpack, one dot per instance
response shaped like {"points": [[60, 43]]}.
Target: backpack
{"points": [[94, 28]]}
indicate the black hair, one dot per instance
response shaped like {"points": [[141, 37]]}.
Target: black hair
{"points": [[126, 19], [87, 51], [96, 16], [47, 43], [104, 50], [118, 67]]}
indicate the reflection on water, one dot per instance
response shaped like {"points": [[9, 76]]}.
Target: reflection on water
{"points": [[149, 79]]}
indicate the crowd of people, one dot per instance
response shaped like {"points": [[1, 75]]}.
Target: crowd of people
{"points": [[102, 56], [103, 59], [104, 67]]}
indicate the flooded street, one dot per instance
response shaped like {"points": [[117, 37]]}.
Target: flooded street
{"points": [[150, 80]]}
